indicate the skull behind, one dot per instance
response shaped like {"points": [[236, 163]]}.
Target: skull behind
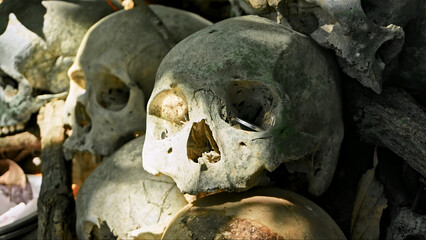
{"points": [[32, 63], [119, 198], [241, 96], [364, 41], [113, 76]]}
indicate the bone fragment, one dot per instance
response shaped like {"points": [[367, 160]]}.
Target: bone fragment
{"points": [[56, 211]]}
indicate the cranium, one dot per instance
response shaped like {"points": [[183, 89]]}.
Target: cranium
{"points": [[363, 47], [269, 213], [32, 63], [119, 198], [241, 96], [113, 76]]}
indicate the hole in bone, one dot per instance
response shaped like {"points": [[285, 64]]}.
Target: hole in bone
{"points": [[103, 232], [249, 106], [170, 105], [386, 51], [170, 150], [203, 167], [8, 84], [378, 12], [304, 22], [112, 93], [82, 118], [164, 134], [201, 144], [68, 130]]}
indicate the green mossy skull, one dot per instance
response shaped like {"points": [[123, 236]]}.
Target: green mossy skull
{"points": [[241, 96]]}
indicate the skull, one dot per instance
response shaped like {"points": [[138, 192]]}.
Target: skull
{"points": [[119, 198], [269, 213], [241, 96], [363, 47], [33, 63], [113, 76]]}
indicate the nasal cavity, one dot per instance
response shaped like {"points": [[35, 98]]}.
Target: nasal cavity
{"points": [[201, 146], [81, 116]]}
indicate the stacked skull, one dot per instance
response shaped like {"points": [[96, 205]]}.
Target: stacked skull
{"points": [[113, 75], [229, 102], [111, 79], [239, 97]]}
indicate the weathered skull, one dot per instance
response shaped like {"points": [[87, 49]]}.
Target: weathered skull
{"points": [[113, 76], [269, 213], [241, 96], [32, 63], [119, 198], [363, 47]]}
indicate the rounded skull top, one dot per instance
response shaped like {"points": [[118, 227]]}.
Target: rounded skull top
{"points": [[263, 213], [244, 95], [113, 76]]}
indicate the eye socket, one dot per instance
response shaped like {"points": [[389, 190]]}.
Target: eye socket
{"points": [[249, 106], [112, 93], [170, 105], [8, 84]]}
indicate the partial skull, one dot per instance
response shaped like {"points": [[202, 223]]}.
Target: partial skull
{"points": [[34, 64], [362, 45], [269, 213], [120, 199], [241, 96], [113, 76]]}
